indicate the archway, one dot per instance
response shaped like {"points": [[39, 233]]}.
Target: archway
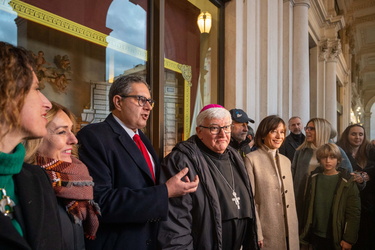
{"points": [[370, 118]]}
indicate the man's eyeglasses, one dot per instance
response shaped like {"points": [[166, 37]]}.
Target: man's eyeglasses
{"points": [[141, 100], [309, 128], [214, 130]]}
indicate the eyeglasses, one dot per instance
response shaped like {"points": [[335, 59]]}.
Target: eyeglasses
{"points": [[214, 130], [309, 128], [141, 100]]}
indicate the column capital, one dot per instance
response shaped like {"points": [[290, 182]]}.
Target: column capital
{"points": [[330, 49], [301, 3], [367, 114]]}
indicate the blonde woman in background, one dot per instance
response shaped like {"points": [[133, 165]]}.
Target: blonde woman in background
{"points": [[70, 178]]}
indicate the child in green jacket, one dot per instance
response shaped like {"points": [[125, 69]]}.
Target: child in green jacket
{"points": [[332, 205]]}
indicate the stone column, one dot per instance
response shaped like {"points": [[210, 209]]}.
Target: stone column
{"points": [[300, 85], [367, 125], [331, 48]]}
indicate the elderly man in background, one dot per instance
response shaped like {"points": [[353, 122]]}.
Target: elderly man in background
{"points": [[294, 139], [221, 213], [251, 137], [239, 139]]}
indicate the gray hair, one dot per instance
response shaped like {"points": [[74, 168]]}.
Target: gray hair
{"points": [[123, 86], [213, 113], [294, 117], [250, 131]]}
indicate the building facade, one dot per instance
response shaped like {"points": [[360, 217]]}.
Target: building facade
{"points": [[311, 58], [301, 57]]}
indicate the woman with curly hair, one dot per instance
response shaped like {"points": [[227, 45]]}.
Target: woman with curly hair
{"points": [[29, 217]]}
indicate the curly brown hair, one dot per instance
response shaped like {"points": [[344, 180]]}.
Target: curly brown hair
{"points": [[16, 77]]}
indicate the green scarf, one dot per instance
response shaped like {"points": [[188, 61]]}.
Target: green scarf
{"points": [[11, 164]]}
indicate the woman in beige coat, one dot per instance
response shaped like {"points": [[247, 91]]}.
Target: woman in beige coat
{"points": [[272, 183]]}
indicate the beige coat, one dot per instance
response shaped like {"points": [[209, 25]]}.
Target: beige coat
{"points": [[270, 207]]}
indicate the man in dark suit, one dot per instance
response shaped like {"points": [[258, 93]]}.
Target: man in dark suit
{"points": [[294, 139], [126, 173]]}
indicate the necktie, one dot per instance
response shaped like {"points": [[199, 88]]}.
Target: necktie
{"points": [[145, 154]]}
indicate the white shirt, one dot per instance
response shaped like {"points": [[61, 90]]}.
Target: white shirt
{"points": [[131, 133]]}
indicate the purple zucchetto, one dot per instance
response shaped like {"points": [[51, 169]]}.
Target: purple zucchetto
{"points": [[210, 106]]}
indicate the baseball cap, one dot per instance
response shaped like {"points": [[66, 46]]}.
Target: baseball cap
{"points": [[239, 115]]}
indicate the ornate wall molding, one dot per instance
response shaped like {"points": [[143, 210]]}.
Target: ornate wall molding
{"points": [[362, 5], [363, 19], [53, 21], [185, 71], [126, 48], [330, 49]]}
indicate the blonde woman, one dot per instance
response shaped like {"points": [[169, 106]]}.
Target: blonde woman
{"points": [[318, 132], [69, 176]]}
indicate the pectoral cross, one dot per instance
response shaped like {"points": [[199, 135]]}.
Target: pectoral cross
{"points": [[236, 199]]}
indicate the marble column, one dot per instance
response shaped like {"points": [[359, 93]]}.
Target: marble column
{"points": [[331, 48], [301, 85], [367, 125]]}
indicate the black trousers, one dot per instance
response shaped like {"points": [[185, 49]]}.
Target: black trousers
{"points": [[320, 243]]}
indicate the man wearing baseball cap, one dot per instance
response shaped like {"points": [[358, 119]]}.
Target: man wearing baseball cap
{"points": [[239, 138]]}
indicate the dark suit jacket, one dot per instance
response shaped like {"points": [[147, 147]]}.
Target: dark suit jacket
{"points": [[36, 212], [289, 146], [131, 204]]}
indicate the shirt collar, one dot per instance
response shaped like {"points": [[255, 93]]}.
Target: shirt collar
{"points": [[130, 132]]}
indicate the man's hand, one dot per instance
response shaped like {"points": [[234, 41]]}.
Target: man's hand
{"points": [[180, 184], [345, 245], [260, 244]]}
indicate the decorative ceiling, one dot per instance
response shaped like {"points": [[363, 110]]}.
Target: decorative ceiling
{"points": [[360, 15]]}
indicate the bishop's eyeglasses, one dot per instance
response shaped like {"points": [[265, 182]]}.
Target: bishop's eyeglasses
{"points": [[214, 130], [141, 100]]}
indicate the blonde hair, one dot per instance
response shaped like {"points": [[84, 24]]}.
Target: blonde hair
{"points": [[32, 146], [323, 133], [329, 149]]}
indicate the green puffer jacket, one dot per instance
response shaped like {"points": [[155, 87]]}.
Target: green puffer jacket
{"points": [[345, 213]]}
